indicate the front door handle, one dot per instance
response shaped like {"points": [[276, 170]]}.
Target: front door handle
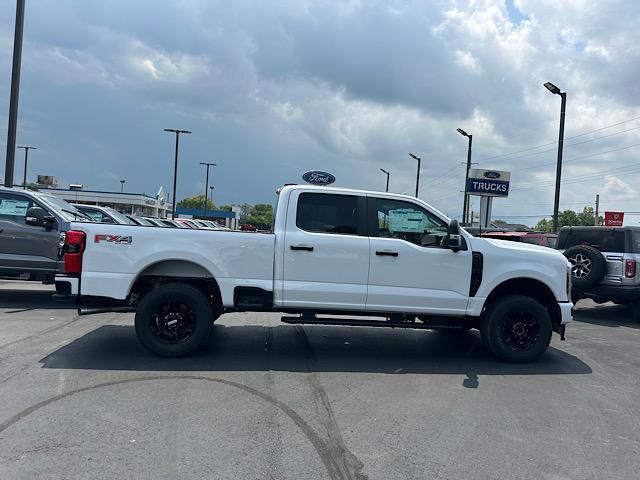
{"points": [[306, 248], [386, 253]]}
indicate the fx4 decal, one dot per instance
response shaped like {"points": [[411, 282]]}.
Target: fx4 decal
{"points": [[113, 239]]}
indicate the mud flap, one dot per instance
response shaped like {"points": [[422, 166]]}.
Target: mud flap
{"points": [[560, 329]]}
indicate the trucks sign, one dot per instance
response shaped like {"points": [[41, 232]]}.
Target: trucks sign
{"points": [[488, 183], [613, 219]]}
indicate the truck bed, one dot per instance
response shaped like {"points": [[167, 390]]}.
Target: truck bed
{"points": [[116, 254]]}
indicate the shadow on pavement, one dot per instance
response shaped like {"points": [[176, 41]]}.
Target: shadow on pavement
{"points": [[606, 315], [23, 300], [317, 348]]}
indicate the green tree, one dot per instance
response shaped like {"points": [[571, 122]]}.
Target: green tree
{"points": [[569, 218], [544, 225], [195, 202], [261, 216]]}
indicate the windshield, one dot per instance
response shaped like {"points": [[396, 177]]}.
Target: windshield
{"points": [[64, 209]]}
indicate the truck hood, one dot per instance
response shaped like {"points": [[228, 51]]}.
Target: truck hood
{"points": [[517, 248]]}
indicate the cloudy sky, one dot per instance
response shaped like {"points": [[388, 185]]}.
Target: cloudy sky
{"points": [[272, 88]]}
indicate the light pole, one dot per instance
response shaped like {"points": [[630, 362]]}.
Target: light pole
{"points": [[122, 185], [387, 174], [175, 167], [211, 190], [465, 203], [415, 157], [206, 185], [563, 105], [26, 161], [15, 93]]}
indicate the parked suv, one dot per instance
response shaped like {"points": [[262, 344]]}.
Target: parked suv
{"points": [[604, 264], [32, 227]]}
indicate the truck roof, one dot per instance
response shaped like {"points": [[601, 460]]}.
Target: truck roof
{"points": [[354, 191]]}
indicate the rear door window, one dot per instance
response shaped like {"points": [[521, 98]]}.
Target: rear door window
{"points": [[327, 213], [603, 240]]}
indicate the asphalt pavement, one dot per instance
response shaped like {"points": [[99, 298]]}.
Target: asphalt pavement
{"points": [[80, 398]]}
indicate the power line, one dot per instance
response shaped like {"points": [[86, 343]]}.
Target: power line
{"points": [[554, 143]]}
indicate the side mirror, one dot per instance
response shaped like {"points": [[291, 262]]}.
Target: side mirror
{"points": [[37, 217], [454, 239]]}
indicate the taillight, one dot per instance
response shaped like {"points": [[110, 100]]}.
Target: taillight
{"points": [[630, 268], [74, 244]]}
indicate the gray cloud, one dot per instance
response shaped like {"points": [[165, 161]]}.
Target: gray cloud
{"points": [[273, 88]]}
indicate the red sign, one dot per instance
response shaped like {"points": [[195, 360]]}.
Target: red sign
{"points": [[613, 219]]}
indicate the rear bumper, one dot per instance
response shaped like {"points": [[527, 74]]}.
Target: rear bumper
{"points": [[617, 293], [67, 288]]}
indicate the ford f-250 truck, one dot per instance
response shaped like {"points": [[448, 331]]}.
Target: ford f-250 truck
{"points": [[334, 253]]}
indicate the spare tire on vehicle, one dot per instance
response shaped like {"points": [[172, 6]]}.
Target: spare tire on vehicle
{"points": [[588, 266]]}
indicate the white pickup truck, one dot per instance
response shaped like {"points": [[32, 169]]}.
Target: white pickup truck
{"points": [[378, 259]]}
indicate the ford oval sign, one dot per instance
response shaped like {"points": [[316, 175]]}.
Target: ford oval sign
{"points": [[316, 177], [491, 174]]}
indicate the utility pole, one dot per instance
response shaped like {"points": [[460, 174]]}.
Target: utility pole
{"points": [[206, 185], [595, 221], [175, 167], [26, 161], [387, 174], [465, 203], [15, 93], [418, 174], [563, 106]]}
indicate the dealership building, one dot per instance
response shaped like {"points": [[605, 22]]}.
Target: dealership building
{"points": [[130, 203]]}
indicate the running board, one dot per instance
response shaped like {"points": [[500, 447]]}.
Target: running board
{"points": [[94, 311], [352, 322]]}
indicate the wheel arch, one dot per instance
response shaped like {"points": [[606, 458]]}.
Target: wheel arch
{"points": [[175, 270], [529, 287]]}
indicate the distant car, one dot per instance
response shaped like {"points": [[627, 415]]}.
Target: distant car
{"points": [[247, 227], [536, 238], [604, 264], [143, 222], [155, 222], [104, 214]]}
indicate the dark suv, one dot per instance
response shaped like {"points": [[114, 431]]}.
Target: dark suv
{"points": [[32, 227], [604, 263]]}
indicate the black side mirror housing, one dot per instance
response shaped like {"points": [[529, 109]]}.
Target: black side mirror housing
{"points": [[38, 217], [454, 239], [35, 217]]}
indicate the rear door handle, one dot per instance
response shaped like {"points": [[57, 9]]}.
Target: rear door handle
{"points": [[386, 253], [306, 248]]}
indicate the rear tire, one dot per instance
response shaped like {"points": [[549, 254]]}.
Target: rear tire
{"points": [[516, 329], [173, 319]]}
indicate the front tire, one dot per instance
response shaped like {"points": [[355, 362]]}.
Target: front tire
{"points": [[173, 320], [516, 329]]}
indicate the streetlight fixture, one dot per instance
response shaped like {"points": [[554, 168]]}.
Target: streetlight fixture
{"points": [[415, 157], [122, 185], [26, 161], [387, 174], [206, 185], [14, 95], [175, 167], [465, 203], [563, 106]]}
